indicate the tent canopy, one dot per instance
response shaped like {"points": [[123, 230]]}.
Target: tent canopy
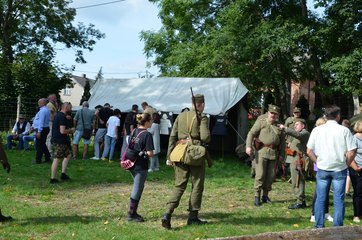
{"points": [[168, 94]]}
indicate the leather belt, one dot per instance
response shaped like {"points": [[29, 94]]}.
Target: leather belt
{"points": [[272, 146]]}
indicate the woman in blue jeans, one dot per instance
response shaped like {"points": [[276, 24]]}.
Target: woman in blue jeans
{"points": [[143, 145]]}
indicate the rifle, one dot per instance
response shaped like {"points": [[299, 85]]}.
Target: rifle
{"points": [[198, 117]]}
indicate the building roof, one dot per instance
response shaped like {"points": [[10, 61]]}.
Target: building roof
{"points": [[83, 80]]}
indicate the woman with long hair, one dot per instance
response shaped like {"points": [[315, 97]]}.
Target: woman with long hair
{"points": [[143, 145]]}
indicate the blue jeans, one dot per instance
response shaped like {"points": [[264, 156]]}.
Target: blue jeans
{"points": [[324, 181], [154, 162], [10, 138], [98, 138], [139, 179], [109, 146], [27, 139]]}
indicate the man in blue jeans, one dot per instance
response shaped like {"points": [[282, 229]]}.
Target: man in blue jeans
{"points": [[331, 147]]}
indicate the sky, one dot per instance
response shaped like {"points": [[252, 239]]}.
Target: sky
{"points": [[120, 53]]}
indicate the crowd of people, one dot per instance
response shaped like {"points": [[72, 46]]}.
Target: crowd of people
{"points": [[56, 133], [331, 148]]}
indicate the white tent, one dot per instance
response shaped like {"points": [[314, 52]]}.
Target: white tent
{"points": [[168, 94]]}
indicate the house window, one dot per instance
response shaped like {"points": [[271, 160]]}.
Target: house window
{"points": [[67, 91]]}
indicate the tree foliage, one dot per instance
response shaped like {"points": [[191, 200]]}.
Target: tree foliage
{"points": [[30, 32], [266, 43]]}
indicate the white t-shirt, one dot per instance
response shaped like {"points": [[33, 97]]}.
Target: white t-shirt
{"points": [[330, 142], [112, 123]]}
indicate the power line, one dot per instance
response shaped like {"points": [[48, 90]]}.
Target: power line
{"points": [[111, 72], [99, 4]]}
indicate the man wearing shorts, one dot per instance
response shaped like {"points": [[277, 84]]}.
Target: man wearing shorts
{"points": [[61, 142]]}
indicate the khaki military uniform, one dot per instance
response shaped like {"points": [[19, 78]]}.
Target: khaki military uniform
{"points": [[199, 134], [298, 144], [289, 123], [267, 156]]}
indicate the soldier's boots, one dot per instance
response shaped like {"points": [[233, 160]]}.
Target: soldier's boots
{"points": [[195, 221], [298, 205], [166, 221], [266, 199], [257, 201]]}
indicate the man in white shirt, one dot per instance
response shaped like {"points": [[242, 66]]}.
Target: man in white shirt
{"points": [[112, 135], [331, 147]]}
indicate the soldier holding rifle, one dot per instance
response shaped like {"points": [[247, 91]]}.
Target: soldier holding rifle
{"points": [[189, 126], [296, 154]]}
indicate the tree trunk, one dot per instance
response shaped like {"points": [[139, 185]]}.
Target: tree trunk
{"points": [[6, 84]]}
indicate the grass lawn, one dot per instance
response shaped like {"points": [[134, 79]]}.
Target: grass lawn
{"points": [[93, 205]]}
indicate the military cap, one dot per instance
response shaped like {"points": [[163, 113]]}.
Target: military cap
{"points": [[296, 110], [273, 109], [301, 120], [199, 98]]}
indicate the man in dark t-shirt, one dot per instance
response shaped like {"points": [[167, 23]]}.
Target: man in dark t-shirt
{"points": [[61, 142], [130, 123], [103, 115]]}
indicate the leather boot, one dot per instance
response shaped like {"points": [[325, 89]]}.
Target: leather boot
{"points": [[257, 201], [266, 199], [194, 219], [133, 216]]}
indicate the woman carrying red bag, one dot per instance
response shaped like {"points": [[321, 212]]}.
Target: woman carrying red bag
{"points": [[139, 172]]}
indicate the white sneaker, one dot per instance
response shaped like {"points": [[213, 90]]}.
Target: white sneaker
{"points": [[312, 218], [328, 217], [356, 220], [94, 158], [150, 170]]}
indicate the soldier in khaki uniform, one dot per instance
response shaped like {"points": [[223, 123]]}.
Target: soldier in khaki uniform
{"points": [[296, 158], [200, 134], [289, 123], [266, 130]]}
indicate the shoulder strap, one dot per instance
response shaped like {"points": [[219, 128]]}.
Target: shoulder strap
{"points": [[81, 114], [190, 126], [140, 133], [133, 132]]}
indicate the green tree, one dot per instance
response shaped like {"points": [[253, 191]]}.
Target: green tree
{"points": [[258, 41], [32, 29], [266, 43]]}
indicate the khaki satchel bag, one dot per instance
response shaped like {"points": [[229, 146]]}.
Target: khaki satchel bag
{"points": [[178, 153], [188, 153]]}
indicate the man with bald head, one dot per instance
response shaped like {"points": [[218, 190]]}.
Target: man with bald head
{"points": [[41, 128], [53, 108], [61, 142]]}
